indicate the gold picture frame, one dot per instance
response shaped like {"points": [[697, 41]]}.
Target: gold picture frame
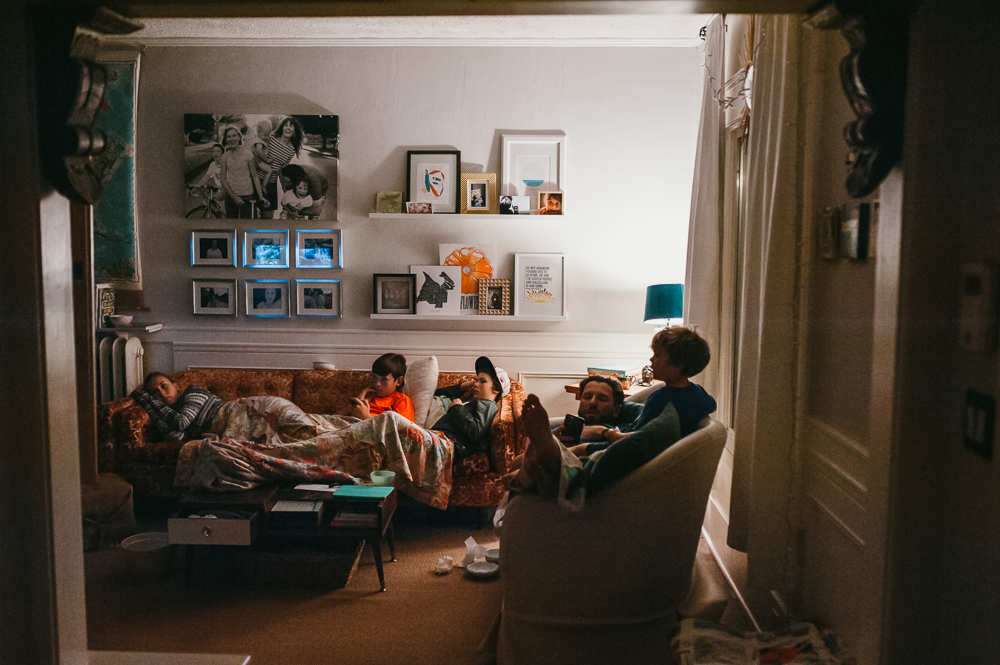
{"points": [[494, 297], [479, 194]]}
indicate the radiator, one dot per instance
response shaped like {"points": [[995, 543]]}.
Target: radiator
{"points": [[119, 367]]}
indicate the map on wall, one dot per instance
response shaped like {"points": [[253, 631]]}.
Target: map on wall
{"points": [[261, 166], [116, 251]]}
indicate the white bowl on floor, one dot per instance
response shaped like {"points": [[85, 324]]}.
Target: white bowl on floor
{"points": [[148, 555]]}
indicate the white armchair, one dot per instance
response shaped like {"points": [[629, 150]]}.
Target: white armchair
{"points": [[605, 584]]}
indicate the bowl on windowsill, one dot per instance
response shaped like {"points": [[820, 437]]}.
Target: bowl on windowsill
{"points": [[120, 320]]}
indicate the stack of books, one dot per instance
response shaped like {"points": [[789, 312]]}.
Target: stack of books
{"points": [[627, 373], [295, 514], [349, 517]]}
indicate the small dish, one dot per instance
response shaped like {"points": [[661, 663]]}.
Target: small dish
{"points": [[482, 568], [320, 365], [493, 556]]}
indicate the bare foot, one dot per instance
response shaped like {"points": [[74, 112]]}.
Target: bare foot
{"points": [[543, 448]]}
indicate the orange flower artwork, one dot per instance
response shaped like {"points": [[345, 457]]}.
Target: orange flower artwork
{"points": [[475, 266]]}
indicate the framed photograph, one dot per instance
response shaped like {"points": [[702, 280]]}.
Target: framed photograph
{"points": [[538, 285], [479, 193], [319, 248], [389, 202], [266, 297], [394, 294], [414, 208], [298, 157], [265, 248], [550, 203], [494, 296], [318, 297], [532, 164], [213, 248], [439, 289], [432, 176], [214, 296]]}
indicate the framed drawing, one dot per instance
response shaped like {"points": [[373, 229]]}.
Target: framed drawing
{"points": [[319, 248], [550, 203], [266, 297], [318, 297], [432, 176], [479, 193], [265, 248], [291, 152], [532, 164], [394, 294], [214, 296], [213, 248], [494, 296], [438, 289], [538, 285]]}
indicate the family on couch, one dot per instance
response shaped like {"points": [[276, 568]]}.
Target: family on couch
{"points": [[241, 443]]}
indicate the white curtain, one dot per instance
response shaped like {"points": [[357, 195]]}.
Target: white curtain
{"points": [[764, 466], [703, 281]]}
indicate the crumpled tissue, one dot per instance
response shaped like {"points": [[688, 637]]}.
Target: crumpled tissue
{"points": [[476, 552], [444, 565]]}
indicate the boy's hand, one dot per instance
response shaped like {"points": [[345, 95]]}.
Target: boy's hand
{"points": [[365, 394], [359, 408], [468, 386], [455, 402]]}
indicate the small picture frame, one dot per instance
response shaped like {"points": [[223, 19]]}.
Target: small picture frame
{"points": [[394, 294], [318, 297], [266, 297], [479, 193], [433, 176], [319, 248], [215, 297], [389, 202], [213, 247], [265, 248], [414, 208], [494, 296], [550, 203]]}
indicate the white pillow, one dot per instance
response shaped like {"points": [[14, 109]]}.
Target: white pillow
{"points": [[421, 382]]}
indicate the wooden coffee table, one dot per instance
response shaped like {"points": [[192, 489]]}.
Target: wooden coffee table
{"points": [[368, 518]]}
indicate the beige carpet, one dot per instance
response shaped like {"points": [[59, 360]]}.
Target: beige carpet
{"points": [[420, 618]]}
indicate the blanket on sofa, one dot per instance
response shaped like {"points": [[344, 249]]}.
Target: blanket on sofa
{"points": [[269, 439]]}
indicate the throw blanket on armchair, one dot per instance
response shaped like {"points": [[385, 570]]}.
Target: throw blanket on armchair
{"points": [[268, 439]]}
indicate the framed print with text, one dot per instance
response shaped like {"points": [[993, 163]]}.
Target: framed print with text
{"points": [[213, 248], [433, 176], [265, 248], [318, 248], [214, 296], [394, 294], [266, 297], [538, 285], [532, 163], [318, 297]]}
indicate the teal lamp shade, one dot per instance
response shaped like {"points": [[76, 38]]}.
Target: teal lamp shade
{"points": [[663, 303]]}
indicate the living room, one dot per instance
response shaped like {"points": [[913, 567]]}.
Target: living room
{"points": [[924, 461]]}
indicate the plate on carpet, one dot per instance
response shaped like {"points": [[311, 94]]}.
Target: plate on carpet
{"points": [[482, 568]]}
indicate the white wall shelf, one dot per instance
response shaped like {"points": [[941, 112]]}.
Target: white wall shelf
{"points": [[466, 317], [441, 215]]}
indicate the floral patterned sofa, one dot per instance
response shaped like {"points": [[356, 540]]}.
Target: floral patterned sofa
{"points": [[128, 444]]}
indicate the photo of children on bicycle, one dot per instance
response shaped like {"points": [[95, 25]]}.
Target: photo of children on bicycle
{"points": [[257, 166]]}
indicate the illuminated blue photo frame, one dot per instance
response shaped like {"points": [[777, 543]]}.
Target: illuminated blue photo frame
{"points": [[319, 248], [267, 297], [265, 248]]}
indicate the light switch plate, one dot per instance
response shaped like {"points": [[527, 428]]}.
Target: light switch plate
{"points": [[978, 424]]}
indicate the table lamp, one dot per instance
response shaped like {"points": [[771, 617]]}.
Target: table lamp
{"points": [[664, 303]]}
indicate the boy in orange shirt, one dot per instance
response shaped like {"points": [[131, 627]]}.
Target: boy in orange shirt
{"points": [[388, 377]]}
